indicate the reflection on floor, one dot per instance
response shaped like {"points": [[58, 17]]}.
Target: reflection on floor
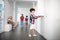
{"points": [[20, 33]]}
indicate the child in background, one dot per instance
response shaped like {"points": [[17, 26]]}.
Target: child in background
{"points": [[26, 20], [22, 19], [10, 21]]}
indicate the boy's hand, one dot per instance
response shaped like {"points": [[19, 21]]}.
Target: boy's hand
{"points": [[40, 16]]}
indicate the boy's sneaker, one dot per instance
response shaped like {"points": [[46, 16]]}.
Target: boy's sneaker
{"points": [[29, 35], [34, 35]]}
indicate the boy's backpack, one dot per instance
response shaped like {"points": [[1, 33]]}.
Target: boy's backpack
{"points": [[30, 19]]}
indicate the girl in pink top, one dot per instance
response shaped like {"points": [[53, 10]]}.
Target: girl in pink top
{"points": [[26, 20]]}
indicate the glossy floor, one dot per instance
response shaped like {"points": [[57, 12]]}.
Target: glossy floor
{"points": [[20, 33]]}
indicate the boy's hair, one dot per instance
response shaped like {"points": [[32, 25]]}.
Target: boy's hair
{"points": [[32, 9]]}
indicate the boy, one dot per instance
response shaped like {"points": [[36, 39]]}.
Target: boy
{"points": [[32, 22]]}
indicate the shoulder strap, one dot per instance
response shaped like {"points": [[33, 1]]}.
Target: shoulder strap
{"points": [[30, 19]]}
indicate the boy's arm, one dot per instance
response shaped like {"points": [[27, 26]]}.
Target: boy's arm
{"points": [[39, 16]]}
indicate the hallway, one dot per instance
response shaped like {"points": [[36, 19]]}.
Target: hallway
{"points": [[19, 34], [47, 27]]}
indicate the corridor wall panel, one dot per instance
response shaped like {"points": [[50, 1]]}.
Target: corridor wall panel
{"points": [[8, 11], [51, 20]]}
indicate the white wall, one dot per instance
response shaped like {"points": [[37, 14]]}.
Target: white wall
{"points": [[49, 25], [40, 11], [8, 11], [51, 22], [0, 1]]}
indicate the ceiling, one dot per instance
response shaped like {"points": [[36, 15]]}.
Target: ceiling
{"points": [[23, 0], [25, 3]]}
